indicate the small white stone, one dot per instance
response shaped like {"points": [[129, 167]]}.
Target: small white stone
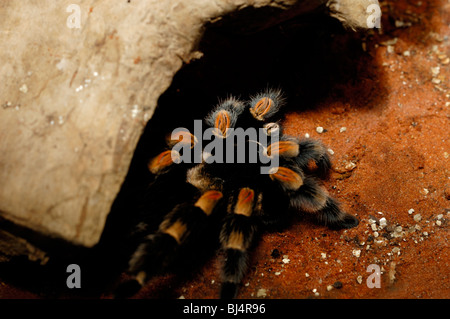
{"points": [[306, 135], [23, 88], [319, 129], [356, 252], [359, 279], [261, 293], [306, 275], [383, 222], [286, 260], [411, 211], [277, 273], [323, 255], [438, 222], [330, 151], [417, 218], [329, 287], [435, 71], [342, 129], [435, 81]]}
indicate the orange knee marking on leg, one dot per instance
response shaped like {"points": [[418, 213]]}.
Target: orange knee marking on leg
{"points": [[261, 108], [184, 137], [283, 148], [208, 201], [235, 241], [244, 204], [312, 165], [223, 122], [176, 230], [140, 277], [161, 161], [288, 178]]}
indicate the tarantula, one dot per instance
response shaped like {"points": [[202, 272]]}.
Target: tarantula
{"points": [[231, 200]]}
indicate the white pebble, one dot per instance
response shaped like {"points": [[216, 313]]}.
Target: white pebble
{"points": [[438, 222], [306, 275], [435, 71], [319, 129], [359, 279], [23, 88], [417, 217], [411, 211], [330, 151], [342, 129], [356, 252], [306, 135], [383, 222], [261, 293], [286, 260]]}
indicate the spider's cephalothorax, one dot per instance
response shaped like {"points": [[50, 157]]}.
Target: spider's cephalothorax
{"points": [[230, 196]]}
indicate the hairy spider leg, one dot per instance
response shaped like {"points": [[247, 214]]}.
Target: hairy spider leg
{"points": [[313, 158], [237, 234], [224, 116], [158, 250], [333, 217], [307, 194], [264, 105]]}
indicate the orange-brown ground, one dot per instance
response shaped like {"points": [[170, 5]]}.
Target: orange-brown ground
{"points": [[391, 161]]}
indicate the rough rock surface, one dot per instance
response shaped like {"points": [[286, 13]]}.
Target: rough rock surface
{"points": [[79, 83]]}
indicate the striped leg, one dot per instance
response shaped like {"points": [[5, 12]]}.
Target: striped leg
{"points": [[237, 234], [158, 250]]}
